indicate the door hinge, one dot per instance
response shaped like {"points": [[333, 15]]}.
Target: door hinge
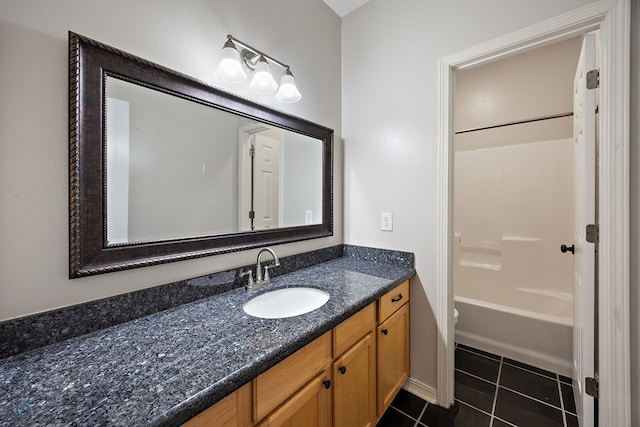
{"points": [[252, 214], [593, 79], [252, 152], [592, 233], [591, 386]]}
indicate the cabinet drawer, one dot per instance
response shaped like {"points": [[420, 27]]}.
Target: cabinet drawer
{"points": [[273, 387], [351, 330], [392, 301]]}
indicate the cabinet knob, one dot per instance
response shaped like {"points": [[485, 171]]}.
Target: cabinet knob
{"points": [[342, 369], [396, 299], [385, 331], [327, 384]]}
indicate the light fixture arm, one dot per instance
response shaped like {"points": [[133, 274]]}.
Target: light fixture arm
{"points": [[251, 61]]}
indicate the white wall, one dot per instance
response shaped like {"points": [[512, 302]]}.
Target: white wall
{"points": [[301, 157], [182, 165], [184, 36], [390, 95]]}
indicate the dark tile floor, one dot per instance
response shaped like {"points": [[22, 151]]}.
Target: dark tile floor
{"points": [[491, 391]]}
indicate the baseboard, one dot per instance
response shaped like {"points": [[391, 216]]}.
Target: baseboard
{"points": [[421, 390]]}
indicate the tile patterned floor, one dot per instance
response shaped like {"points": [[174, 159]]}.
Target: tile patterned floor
{"points": [[491, 391]]}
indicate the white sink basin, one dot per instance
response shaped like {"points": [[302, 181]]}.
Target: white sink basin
{"points": [[286, 302]]}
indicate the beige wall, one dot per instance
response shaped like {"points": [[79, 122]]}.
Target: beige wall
{"points": [[532, 84], [184, 36], [529, 85], [390, 109]]}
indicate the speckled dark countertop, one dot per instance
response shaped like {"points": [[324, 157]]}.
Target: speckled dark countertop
{"points": [[165, 368]]}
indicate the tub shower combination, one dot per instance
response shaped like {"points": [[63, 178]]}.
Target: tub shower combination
{"points": [[513, 288]]}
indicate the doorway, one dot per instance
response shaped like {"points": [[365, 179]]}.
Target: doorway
{"points": [[513, 180], [259, 168], [612, 18]]}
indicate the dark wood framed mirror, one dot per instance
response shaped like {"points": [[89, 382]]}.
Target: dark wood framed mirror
{"points": [[164, 167]]}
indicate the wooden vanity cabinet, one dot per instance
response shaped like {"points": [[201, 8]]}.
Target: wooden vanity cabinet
{"points": [[345, 378], [392, 345]]}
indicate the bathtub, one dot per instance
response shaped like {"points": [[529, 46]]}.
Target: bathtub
{"points": [[541, 338]]}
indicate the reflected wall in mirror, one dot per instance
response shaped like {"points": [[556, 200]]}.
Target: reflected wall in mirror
{"points": [[235, 174], [164, 167]]}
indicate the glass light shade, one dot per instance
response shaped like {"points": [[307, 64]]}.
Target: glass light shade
{"points": [[288, 91], [230, 68], [262, 81]]}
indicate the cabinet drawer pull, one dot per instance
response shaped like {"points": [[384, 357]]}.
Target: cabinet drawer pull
{"points": [[385, 331], [342, 369], [327, 384], [397, 299]]}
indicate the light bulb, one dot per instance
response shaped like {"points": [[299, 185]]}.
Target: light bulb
{"points": [[288, 91], [230, 68], [262, 80]]}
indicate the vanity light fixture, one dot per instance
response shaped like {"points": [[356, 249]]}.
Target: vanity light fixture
{"points": [[231, 69]]}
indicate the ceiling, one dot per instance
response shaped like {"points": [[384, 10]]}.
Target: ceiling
{"points": [[344, 7]]}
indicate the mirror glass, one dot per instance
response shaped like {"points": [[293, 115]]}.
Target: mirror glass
{"points": [[164, 167], [179, 169]]}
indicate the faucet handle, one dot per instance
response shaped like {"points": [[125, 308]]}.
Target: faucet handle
{"points": [[250, 281], [266, 271]]}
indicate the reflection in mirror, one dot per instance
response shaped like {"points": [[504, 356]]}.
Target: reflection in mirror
{"points": [[178, 169], [164, 167]]}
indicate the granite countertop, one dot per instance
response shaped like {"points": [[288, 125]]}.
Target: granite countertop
{"points": [[165, 368]]}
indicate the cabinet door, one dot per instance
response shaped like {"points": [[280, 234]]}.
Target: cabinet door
{"points": [[273, 387], [232, 411], [354, 390], [393, 356], [309, 407]]}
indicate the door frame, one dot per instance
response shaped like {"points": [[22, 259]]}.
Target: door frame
{"points": [[612, 18]]}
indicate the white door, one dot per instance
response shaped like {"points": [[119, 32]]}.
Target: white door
{"points": [[267, 179], [584, 131]]}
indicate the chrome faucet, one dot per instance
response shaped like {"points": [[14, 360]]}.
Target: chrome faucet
{"points": [[265, 279], [262, 280]]}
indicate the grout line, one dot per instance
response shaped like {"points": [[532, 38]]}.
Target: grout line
{"points": [[407, 415], [506, 422], [477, 377], [421, 414], [495, 395], [473, 407], [531, 397], [533, 372], [564, 414], [496, 358]]}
